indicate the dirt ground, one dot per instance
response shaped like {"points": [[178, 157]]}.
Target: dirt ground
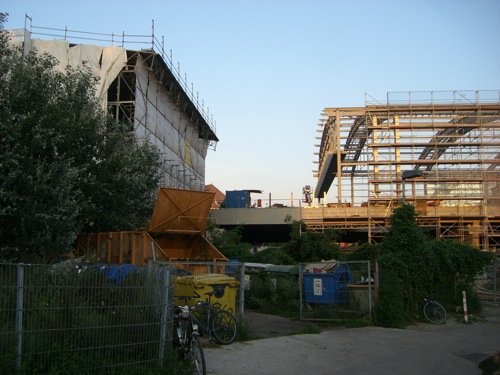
{"points": [[263, 326]]}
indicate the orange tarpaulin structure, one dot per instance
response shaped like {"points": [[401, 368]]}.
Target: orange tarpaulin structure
{"points": [[180, 211], [174, 233]]}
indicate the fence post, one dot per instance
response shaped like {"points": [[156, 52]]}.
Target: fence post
{"points": [[165, 296], [370, 288], [495, 280], [19, 314], [241, 301], [376, 281], [464, 298], [301, 288]]}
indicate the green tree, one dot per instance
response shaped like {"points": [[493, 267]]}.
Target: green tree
{"points": [[404, 258], [308, 246], [412, 266], [274, 255], [365, 251], [455, 267], [229, 243], [65, 165]]}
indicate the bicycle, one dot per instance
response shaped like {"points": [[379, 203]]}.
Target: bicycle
{"points": [[434, 312], [187, 338], [218, 324]]}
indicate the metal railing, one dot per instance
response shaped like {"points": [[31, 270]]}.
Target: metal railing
{"points": [[456, 97]]}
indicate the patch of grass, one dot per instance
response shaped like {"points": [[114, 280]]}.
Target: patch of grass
{"points": [[348, 323], [308, 329], [244, 331], [287, 314]]}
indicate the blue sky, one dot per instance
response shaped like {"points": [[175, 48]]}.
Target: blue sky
{"points": [[266, 69]]}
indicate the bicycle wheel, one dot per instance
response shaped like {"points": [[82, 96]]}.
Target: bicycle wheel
{"points": [[434, 312], [197, 357], [224, 327]]}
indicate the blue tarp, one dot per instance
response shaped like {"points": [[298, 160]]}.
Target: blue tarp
{"points": [[116, 272]]}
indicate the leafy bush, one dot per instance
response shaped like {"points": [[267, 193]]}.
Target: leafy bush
{"points": [[66, 167], [390, 311], [308, 246], [274, 255], [229, 243], [273, 294], [419, 267]]}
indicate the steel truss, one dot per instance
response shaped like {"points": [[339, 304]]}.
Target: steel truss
{"points": [[451, 138]]}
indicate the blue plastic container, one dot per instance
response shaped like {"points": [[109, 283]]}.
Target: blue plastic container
{"points": [[237, 199], [328, 288]]}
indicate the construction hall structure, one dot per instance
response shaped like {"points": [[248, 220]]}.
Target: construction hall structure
{"points": [[138, 84], [439, 151]]}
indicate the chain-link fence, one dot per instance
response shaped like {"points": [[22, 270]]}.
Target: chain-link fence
{"points": [[113, 319], [336, 290], [117, 319], [84, 319]]}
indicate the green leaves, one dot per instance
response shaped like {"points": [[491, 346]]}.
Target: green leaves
{"points": [[308, 246], [65, 165], [404, 235], [421, 266]]}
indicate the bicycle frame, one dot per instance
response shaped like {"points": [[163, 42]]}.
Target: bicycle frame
{"points": [[186, 332], [208, 313], [219, 325]]}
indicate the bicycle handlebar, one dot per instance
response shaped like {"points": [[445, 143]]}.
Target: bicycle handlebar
{"points": [[186, 298]]}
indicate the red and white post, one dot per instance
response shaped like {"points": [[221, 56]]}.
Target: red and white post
{"points": [[464, 297]]}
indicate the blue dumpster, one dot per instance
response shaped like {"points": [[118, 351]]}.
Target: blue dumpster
{"points": [[328, 288]]}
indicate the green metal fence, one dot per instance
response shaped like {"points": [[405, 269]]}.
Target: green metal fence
{"points": [[84, 319], [76, 317]]}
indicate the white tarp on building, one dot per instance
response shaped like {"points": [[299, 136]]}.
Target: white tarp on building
{"points": [[160, 121], [105, 63], [156, 117]]}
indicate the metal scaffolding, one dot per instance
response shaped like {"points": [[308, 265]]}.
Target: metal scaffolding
{"points": [[451, 142], [139, 84]]}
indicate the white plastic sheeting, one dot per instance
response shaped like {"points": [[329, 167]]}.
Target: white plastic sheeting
{"points": [[20, 38], [158, 119], [105, 63]]}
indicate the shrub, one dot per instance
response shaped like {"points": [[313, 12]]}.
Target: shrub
{"points": [[390, 311]]}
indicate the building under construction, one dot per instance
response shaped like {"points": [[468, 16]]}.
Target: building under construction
{"points": [[439, 151], [142, 87]]}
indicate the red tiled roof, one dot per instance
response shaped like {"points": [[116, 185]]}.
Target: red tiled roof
{"points": [[219, 195]]}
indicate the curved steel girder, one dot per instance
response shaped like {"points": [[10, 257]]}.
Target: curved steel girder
{"points": [[449, 136]]}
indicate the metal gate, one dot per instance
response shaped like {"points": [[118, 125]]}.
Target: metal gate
{"points": [[336, 290]]}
